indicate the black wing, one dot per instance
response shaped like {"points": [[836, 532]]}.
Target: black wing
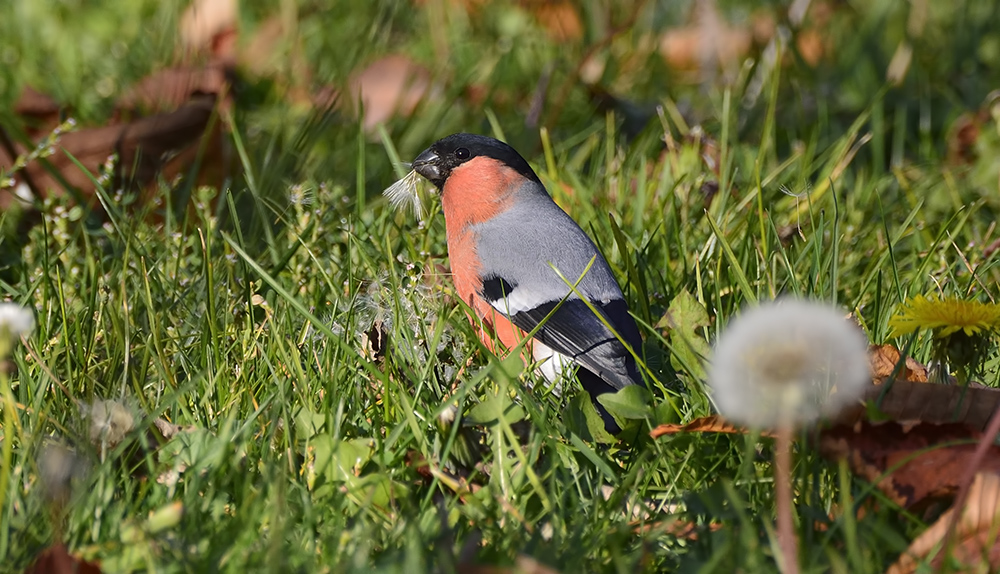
{"points": [[575, 331]]}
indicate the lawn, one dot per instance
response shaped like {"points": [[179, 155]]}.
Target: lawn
{"points": [[265, 368]]}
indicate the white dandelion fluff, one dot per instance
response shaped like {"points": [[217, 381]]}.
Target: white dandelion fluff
{"points": [[109, 421], [779, 363], [301, 194], [406, 192], [15, 321], [58, 467]]}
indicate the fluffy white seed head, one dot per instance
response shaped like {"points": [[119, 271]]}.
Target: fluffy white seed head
{"points": [[406, 192], [15, 321], [779, 363], [58, 467], [110, 422]]}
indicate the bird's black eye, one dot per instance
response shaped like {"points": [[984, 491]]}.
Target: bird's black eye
{"points": [[462, 153]]}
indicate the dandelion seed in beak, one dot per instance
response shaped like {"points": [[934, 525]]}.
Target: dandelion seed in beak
{"points": [[406, 192], [778, 364]]}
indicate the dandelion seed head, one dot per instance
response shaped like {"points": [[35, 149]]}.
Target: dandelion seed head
{"points": [[779, 364], [15, 321], [58, 467], [301, 194], [447, 416], [406, 192], [110, 421]]}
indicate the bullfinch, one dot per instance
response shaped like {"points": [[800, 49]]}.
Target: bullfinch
{"points": [[506, 239]]}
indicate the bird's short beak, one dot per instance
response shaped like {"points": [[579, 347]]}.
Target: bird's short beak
{"points": [[426, 165]]}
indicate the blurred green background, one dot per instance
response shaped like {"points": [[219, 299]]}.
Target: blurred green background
{"points": [[719, 152]]}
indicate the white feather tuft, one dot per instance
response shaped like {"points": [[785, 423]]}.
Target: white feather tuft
{"points": [[405, 192]]}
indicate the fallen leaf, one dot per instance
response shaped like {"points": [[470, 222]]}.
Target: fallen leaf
{"points": [[39, 112], [927, 402], [184, 98], [471, 7], [168, 430], [522, 565], [682, 529], [273, 51], [709, 424], [143, 147], [991, 248], [57, 560], [976, 544], [528, 565], [912, 463], [883, 360], [209, 27], [169, 89], [706, 44], [390, 86], [374, 342], [962, 137], [788, 233], [560, 18], [812, 45]]}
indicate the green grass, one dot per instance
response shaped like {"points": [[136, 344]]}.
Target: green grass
{"points": [[251, 317]]}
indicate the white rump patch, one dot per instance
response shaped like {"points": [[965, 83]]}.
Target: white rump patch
{"points": [[552, 365]]}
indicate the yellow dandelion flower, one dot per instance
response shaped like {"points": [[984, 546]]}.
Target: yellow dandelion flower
{"points": [[945, 317]]}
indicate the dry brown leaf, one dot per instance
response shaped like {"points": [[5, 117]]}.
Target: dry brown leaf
{"points": [[471, 7], [522, 565], [709, 424], [963, 135], [962, 138], [168, 430], [143, 146], [964, 131], [690, 49], [259, 55], [33, 103], [39, 112], [883, 360], [707, 43], [812, 46], [682, 529], [929, 403], [991, 248], [164, 143], [209, 27], [390, 86], [374, 342], [560, 18], [528, 565], [57, 560], [976, 541], [169, 89], [912, 463]]}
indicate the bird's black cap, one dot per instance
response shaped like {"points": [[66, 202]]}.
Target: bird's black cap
{"points": [[437, 162]]}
